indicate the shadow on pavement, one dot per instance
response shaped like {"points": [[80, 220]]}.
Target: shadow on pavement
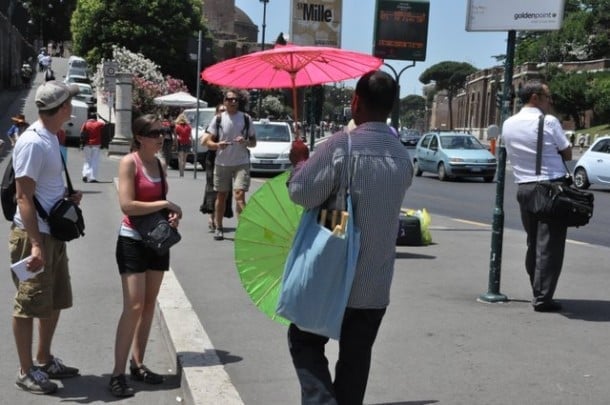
{"points": [[586, 310]]}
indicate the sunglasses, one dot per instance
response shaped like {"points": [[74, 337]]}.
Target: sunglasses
{"points": [[231, 99], [153, 133]]}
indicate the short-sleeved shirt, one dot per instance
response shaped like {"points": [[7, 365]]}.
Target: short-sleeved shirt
{"points": [[94, 129], [183, 131], [520, 135], [37, 156], [232, 126]]}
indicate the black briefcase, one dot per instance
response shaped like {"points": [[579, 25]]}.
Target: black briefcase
{"points": [[409, 231]]}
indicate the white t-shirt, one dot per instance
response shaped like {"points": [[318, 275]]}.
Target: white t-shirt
{"points": [[37, 156], [232, 126], [520, 134]]}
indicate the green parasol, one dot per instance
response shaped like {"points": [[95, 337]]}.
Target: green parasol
{"points": [[263, 239]]}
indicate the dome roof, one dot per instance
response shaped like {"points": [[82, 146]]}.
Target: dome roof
{"points": [[242, 17]]}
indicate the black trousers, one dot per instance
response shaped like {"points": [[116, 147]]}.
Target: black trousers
{"points": [[358, 333], [545, 250]]}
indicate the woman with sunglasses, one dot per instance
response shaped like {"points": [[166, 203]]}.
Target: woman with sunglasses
{"points": [[141, 192]]}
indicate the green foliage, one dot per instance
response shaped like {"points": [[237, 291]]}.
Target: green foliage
{"points": [[600, 92], [51, 18], [448, 76], [412, 111], [161, 34], [272, 106], [572, 95]]}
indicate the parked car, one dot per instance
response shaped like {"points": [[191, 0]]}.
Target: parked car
{"points": [[80, 113], [453, 154], [273, 142], [77, 62], [197, 132], [86, 93], [409, 137], [593, 167]]}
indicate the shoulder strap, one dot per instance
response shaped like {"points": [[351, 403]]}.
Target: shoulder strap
{"points": [[539, 144], [246, 126], [162, 174]]}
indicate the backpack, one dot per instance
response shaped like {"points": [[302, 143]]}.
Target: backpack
{"points": [[8, 189]]}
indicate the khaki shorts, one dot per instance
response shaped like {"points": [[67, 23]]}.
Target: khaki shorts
{"points": [[47, 291], [238, 175]]}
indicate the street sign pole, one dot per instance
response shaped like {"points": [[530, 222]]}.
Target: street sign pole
{"points": [[495, 262], [396, 108]]}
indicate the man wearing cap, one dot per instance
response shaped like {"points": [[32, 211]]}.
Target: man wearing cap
{"points": [[38, 176]]}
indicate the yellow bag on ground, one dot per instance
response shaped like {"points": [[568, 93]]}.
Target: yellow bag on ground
{"points": [[424, 222]]}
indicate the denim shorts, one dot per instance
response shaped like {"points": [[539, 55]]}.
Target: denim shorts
{"points": [[132, 256], [47, 291], [184, 148]]}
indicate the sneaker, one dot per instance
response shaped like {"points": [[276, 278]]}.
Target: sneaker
{"points": [[36, 382], [119, 388], [219, 235], [144, 374], [56, 369]]}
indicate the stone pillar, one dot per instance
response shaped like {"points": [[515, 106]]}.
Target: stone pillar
{"points": [[121, 142]]}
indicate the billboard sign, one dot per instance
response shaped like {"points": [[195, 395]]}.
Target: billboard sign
{"points": [[517, 15], [401, 29], [316, 22]]}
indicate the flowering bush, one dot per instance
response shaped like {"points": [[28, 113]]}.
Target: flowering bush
{"points": [[148, 81]]}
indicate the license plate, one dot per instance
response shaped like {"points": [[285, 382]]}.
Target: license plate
{"points": [[266, 161], [476, 169]]}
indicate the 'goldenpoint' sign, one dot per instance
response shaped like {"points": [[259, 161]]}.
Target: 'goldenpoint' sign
{"points": [[316, 22], [518, 15]]}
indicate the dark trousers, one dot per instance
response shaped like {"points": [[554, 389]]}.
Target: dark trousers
{"points": [[358, 333], [545, 250]]}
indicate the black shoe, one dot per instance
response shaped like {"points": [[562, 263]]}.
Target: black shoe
{"points": [[143, 374], [219, 234], [94, 181], [551, 306], [84, 179], [119, 388]]}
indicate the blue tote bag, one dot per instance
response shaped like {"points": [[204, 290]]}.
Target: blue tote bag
{"points": [[318, 274]]}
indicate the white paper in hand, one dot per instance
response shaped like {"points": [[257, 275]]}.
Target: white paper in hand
{"points": [[21, 271]]}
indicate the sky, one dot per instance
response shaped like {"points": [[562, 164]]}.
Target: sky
{"points": [[447, 36]]}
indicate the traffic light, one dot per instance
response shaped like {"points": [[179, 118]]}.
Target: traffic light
{"points": [[499, 97]]}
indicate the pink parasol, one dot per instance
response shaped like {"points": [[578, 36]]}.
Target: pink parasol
{"points": [[290, 66]]}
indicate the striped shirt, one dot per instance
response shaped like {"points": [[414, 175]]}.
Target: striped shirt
{"points": [[381, 173]]}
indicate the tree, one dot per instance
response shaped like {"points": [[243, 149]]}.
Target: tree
{"points": [[572, 95], [162, 31], [600, 92], [450, 77], [50, 20], [413, 108]]}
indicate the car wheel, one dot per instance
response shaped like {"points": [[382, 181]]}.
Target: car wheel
{"points": [[442, 172], [416, 169], [488, 179], [581, 180]]}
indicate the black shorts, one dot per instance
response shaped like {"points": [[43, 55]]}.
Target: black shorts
{"points": [[133, 257]]}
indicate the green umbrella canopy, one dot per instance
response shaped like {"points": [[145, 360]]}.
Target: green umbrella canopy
{"points": [[263, 239]]}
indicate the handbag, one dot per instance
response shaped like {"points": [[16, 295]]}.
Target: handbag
{"points": [[320, 269], [558, 201], [154, 228], [65, 218]]}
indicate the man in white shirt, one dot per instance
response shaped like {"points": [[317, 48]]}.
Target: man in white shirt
{"points": [[39, 181], [545, 240], [235, 135]]}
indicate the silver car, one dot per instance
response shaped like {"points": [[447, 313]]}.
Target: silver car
{"points": [[593, 167]]}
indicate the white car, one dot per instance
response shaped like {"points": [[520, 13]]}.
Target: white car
{"points": [[197, 132], [85, 93], [273, 142], [593, 167]]}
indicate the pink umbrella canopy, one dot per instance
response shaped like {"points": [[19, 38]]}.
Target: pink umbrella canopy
{"points": [[290, 66]]}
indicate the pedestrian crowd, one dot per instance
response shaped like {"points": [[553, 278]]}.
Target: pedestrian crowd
{"points": [[369, 154]]}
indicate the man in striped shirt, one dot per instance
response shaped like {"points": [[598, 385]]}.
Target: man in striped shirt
{"points": [[381, 172]]}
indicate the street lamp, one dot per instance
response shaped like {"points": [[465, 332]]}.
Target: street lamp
{"points": [[262, 49]]}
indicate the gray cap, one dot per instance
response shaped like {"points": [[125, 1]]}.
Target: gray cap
{"points": [[52, 94]]}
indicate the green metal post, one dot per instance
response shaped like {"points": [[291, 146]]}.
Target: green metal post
{"points": [[396, 108], [495, 262]]}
